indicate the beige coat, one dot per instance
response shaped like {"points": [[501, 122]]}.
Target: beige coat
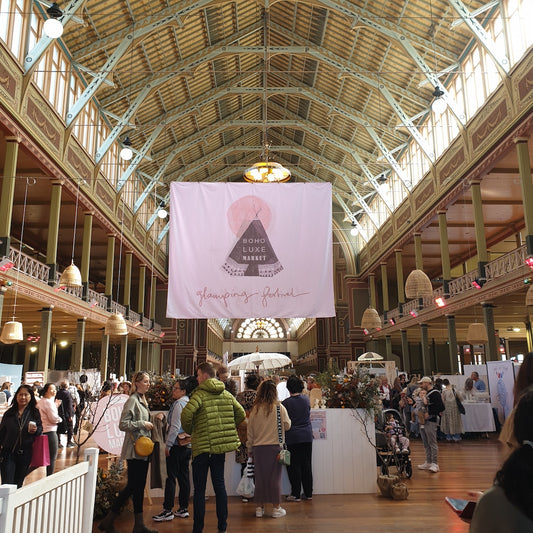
{"points": [[134, 414]]}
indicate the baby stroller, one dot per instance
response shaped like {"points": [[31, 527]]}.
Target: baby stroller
{"points": [[386, 456]]}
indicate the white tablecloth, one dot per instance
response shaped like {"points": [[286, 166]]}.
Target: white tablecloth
{"points": [[478, 418]]}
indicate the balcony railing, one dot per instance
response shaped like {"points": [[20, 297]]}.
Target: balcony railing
{"points": [[29, 266], [38, 271], [506, 264]]}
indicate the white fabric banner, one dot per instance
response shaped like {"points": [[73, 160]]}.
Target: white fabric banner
{"points": [[244, 250]]}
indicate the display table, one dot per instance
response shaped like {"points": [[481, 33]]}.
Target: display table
{"points": [[478, 418], [343, 463]]}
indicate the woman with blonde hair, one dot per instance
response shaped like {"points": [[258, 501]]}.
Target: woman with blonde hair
{"points": [[135, 422], [264, 446]]}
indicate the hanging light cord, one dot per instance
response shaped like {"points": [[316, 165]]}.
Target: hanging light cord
{"points": [[20, 247], [265, 81]]}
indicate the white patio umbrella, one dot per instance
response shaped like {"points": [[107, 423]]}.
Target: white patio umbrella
{"points": [[259, 361], [370, 356]]}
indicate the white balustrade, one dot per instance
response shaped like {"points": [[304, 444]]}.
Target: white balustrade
{"points": [[62, 502]]}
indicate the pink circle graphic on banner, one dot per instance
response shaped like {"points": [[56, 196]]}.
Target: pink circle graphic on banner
{"points": [[108, 411], [244, 210]]}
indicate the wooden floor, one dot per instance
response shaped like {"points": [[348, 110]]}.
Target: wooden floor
{"points": [[470, 464]]}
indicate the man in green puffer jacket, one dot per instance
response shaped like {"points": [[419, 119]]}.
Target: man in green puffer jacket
{"points": [[211, 417]]}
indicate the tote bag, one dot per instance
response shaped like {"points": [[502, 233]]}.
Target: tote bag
{"points": [[41, 453]]}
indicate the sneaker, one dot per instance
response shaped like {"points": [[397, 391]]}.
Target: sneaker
{"points": [[424, 466], [279, 512], [70, 445], [259, 512], [405, 451], [434, 467], [163, 516], [181, 513], [291, 498], [59, 446], [244, 500]]}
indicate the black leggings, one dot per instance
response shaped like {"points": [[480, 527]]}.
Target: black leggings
{"points": [[137, 472]]}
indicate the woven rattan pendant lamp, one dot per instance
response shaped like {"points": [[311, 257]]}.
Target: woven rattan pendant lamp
{"points": [[370, 319], [71, 276], [12, 332], [417, 284], [477, 334]]}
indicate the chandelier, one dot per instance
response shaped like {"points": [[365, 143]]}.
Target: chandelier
{"points": [[267, 171]]}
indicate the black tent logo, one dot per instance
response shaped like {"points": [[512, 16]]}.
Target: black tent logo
{"points": [[253, 254]]}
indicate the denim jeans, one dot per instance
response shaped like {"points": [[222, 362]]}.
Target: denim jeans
{"points": [[201, 464], [177, 470], [429, 438]]}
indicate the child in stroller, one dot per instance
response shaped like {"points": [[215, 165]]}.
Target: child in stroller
{"points": [[387, 451], [395, 435]]}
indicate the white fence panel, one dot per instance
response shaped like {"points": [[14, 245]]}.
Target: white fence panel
{"points": [[62, 502]]}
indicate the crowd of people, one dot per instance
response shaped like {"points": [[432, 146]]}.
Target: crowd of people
{"points": [[208, 419]]}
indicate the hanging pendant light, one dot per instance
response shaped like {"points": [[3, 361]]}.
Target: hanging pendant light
{"points": [[370, 319], [116, 325], [52, 26], [12, 332], [418, 285], [477, 334], [71, 277]]}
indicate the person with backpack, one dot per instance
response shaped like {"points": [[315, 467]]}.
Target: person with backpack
{"points": [[434, 405]]}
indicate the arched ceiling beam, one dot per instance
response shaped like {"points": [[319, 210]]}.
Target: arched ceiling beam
{"points": [[500, 60], [169, 15], [32, 58], [352, 217], [193, 106], [185, 66], [146, 26], [405, 38], [139, 156]]}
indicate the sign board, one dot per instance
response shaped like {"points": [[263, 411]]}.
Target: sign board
{"points": [[107, 434]]}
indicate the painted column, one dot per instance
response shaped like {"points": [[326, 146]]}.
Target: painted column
{"points": [[86, 254], [444, 252], [27, 358], [77, 364], [138, 355], [493, 343], [123, 355], [53, 232], [153, 295], [385, 288], [372, 287], [110, 267], [44, 341], [399, 280], [452, 343], [388, 348], [524, 166], [424, 342], [405, 351], [481, 241], [142, 287], [8, 193], [104, 355], [127, 282]]}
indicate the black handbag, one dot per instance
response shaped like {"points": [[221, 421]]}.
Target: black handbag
{"points": [[460, 405]]}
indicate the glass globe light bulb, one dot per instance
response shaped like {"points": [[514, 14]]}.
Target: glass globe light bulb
{"points": [[53, 28]]}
